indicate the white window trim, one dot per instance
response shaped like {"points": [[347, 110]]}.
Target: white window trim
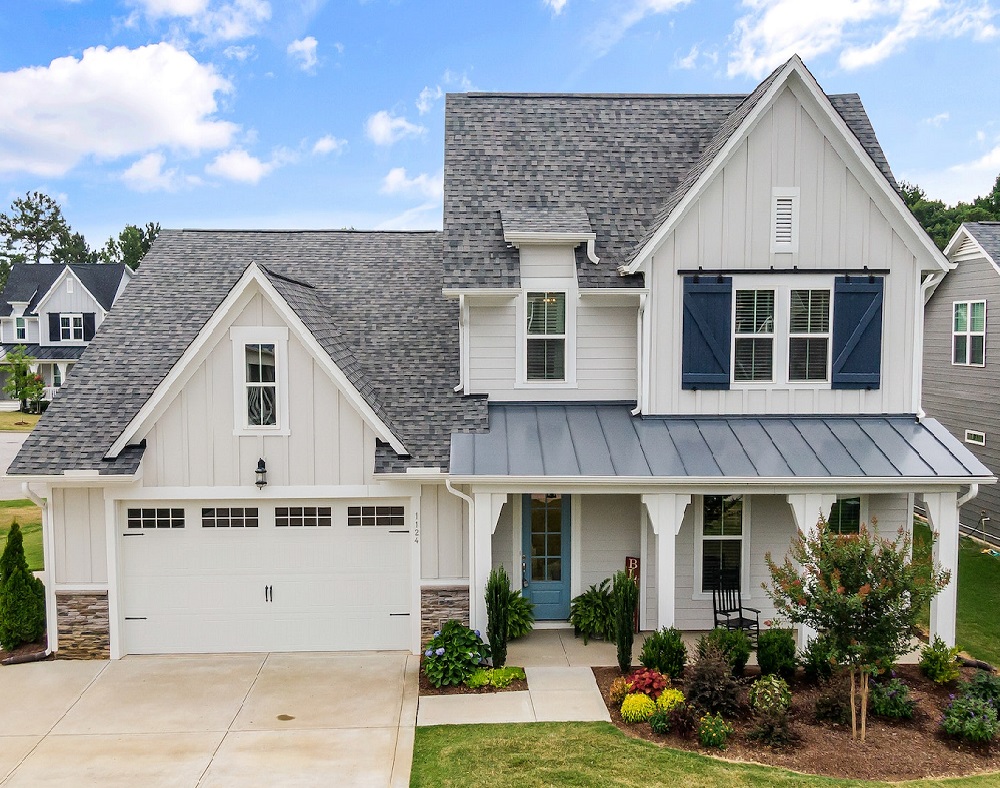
{"points": [[782, 286], [827, 335], [569, 287], [71, 316], [785, 192], [264, 335], [975, 437], [23, 327], [968, 333], [698, 502], [863, 514], [69, 284]]}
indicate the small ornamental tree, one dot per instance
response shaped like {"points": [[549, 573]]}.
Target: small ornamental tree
{"points": [[21, 383], [22, 595], [863, 591], [498, 595], [624, 599]]}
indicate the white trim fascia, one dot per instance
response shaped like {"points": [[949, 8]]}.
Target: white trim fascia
{"points": [[79, 588], [59, 279], [273, 492], [481, 292], [206, 340], [240, 337], [794, 67], [444, 582], [80, 479], [516, 238]]}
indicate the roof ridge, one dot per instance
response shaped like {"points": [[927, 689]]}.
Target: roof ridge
{"points": [[297, 231]]}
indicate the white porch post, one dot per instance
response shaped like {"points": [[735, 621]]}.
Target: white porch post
{"points": [[485, 515], [806, 510], [943, 511], [666, 513]]}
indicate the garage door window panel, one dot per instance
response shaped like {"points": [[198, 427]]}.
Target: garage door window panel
{"points": [[229, 517], [155, 518], [303, 517], [379, 516]]}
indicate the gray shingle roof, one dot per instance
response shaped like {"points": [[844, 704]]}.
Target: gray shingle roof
{"points": [[987, 235], [30, 281], [518, 219], [622, 158], [381, 290], [604, 439]]}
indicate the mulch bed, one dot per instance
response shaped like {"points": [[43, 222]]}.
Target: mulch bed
{"points": [[426, 688], [25, 651], [893, 750]]}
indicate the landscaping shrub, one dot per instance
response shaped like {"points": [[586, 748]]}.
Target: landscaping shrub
{"points": [[971, 719], [770, 695], [682, 719], [453, 654], [668, 699], [891, 699], [619, 688], [665, 651], [648, 682], [520, 616], [732, 643], [659, 722], [834, 701], [819, 660], [710, 686], [497, 608], [624, 599], [938, 662], [494, 677], [22, 595], [776, 653], [591, 614], [983, 686], [637, 707], [713, 731]]}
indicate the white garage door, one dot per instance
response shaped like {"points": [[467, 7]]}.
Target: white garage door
{"points": [[296, 577]]}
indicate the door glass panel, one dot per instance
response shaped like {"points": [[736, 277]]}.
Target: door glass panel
{"points": [[546, 538], [538, 568]]}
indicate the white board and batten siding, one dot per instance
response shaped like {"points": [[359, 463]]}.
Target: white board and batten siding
{"points": [[444, 535], [841, 226], [79, 530]]}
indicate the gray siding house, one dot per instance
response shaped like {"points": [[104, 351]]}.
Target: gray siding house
{"points": [[962, 362], [664, 330]]}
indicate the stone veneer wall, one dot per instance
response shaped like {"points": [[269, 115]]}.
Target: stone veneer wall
{"points": [[437, 605], [83, 625]]}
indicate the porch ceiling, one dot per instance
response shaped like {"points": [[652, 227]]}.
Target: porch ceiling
{"points": [[604, 440]]}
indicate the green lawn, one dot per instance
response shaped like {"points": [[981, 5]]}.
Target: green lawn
{"points": [[592, 754], [14, 421], [29, 517]]}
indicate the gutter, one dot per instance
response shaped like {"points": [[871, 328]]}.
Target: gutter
{"points": [[640, 337], [927, 287], [48, 547], [972, 493], [460, 494]]}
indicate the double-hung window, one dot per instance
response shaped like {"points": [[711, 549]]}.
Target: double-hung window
{"points": [[260, 367], [545, 352], [969, 333], [722, 534], [753, 345], [809, 336], [71, 327], [20, 329]]}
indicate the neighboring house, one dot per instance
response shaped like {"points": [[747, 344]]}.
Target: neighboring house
{"points": [[54, 311], [962, 358], [665, 328]]}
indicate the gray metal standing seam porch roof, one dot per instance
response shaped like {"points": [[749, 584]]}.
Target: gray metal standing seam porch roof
{"points": [[604, 439]]}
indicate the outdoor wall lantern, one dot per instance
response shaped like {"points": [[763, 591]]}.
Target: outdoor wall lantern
{"points": [[261, 474]]}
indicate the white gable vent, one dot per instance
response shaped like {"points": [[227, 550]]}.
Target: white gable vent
{"points": [[785, 219]]}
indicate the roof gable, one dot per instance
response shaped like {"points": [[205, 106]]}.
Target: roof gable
{"points": [[983, 237]]}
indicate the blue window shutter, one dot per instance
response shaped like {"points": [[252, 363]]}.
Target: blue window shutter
{"points": [[54, 334], [708, 305], [857, 333]]}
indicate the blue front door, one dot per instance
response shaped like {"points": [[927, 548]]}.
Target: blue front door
{"points": [[545, 548]]}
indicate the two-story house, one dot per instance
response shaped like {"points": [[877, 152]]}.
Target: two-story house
{"points": [[960, 361], [53, 311], [666, 328]]}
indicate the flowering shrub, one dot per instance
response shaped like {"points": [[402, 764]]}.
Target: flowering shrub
{"points": [[637, 707], [453, 654], [971, 719], [660, 721], [984, 686], [938, 662], [648, 682], [713, 731], [770, 695], [618, 690], [668, 699], [891, 699]]}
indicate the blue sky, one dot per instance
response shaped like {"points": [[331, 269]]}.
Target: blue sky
{"points": [[305, 113]]}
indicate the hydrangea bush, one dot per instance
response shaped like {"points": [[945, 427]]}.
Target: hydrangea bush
{"points": [[454, 654]]}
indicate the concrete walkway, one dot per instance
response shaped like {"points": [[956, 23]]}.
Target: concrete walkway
{"points": [[219, 720]]}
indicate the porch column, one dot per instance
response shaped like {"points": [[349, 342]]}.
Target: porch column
{"points": [[666, 513], [806, 510], [485, 515], [943, 510]]}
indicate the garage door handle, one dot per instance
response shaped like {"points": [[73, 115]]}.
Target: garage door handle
{"points": [[267, 594], [271, 589]]}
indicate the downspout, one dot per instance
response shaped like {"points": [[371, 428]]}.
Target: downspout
{"points": [[639, 334], [51, 622], [972, 493], [932, 280], [460, 494], [472, 542], [463, 349]]}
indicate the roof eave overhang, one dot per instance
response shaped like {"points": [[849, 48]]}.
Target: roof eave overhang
{"points": [[80, 478]]}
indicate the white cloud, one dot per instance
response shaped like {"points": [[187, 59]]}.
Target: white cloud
{"points": [[860, 32], [423, 217], [240, 53], [936, 120], [460, 81], [556, 5], [221, 21], [147, 174], [109, 104], [385, 129], [690, 60], [240, 166], [304, 51], [328, 144], [611, 31], [162, 8], [427, 97], [397, 182]]}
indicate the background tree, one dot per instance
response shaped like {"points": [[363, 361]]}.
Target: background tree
{"points": [[73, 249], [20, 383], [862, 591], [131, 244], [32, 228], [940, 220]]}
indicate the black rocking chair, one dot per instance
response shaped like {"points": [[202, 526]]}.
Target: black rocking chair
{"points": [[729, 610]]}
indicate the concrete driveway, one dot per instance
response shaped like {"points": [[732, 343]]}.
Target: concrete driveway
{"points": [[10, 445], [218, 720]]}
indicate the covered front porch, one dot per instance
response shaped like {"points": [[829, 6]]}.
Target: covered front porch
{"points": [[565, 495]]}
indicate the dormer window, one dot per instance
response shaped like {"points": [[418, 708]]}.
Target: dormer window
{"points": [[20, 329], [260, 380], [71, 328], [545, 355]]}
